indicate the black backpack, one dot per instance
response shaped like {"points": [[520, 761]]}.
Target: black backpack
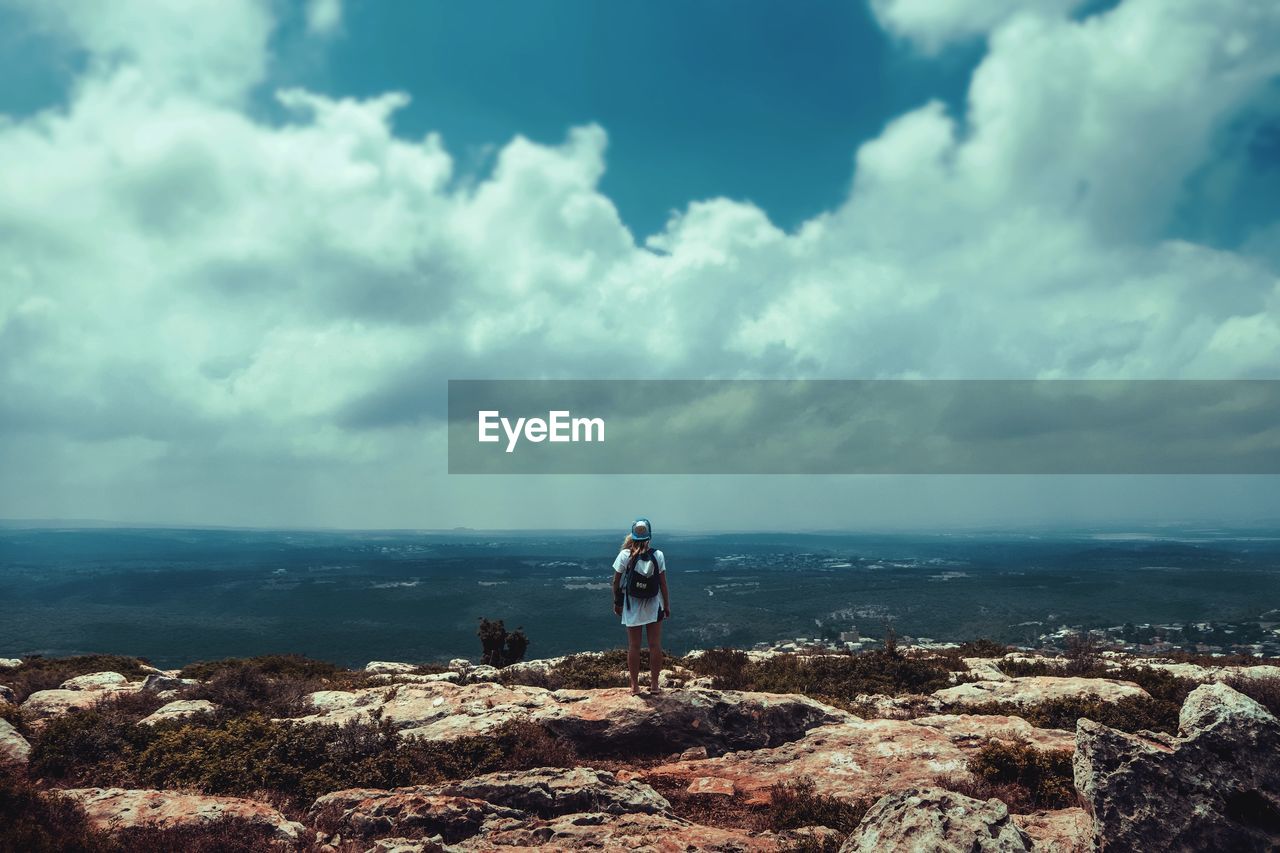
{"points": [[638, 585]]}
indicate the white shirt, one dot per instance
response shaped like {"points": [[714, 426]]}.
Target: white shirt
{"points": [[639, 611]]}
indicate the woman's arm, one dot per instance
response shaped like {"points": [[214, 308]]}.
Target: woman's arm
{"points": [[617, 608], [666, 596]]}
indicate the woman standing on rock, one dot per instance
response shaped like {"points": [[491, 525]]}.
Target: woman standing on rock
{"points": [[639, 574]]}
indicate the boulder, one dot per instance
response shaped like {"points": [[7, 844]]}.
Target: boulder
{"points": [[986, 669], [933, 820], [7, 694], [95, 681], [434, 844], [415, 678], [117, 808], [13, 746], [595, 721], [1030, 690], [10, 663], [459, 810], [1216, 786], [160, 682], [44, 704], [384, 666], [178, 710]]}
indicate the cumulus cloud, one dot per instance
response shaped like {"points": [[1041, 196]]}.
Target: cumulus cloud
{"points": [[195, 293]]}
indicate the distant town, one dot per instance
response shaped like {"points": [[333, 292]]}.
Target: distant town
{"points": [[1251, 638]]}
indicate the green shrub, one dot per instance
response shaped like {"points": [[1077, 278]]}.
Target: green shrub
{"points": [[1130, 714], [837, 678], [727, 666], [225, 835], [273, 666], [982, 648], [795, 804], [244, 690], [1265, 691], [1041, 778], [33, 821], [89, 747]]}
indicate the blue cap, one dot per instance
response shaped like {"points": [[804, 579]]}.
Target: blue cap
{"points": [[641, 530]]}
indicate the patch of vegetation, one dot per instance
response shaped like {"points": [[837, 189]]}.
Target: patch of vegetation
{"points": [[34, 821], [293, 667], [12, 714], [796, 804], [1130, 714], [584, 671], [982, 648], [39, 673], [225, 835], [248, 755], [1035, 778], [1265, 691], [499, 648], [836, 678]]}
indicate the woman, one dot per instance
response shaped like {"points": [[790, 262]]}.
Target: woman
{"points": [[637, 556]]}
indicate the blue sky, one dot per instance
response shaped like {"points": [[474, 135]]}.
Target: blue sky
{"points": [[251, 239]]}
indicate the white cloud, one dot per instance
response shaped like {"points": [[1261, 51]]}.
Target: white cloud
{"points": [[324, 17], [188, 289], [932, 25]]}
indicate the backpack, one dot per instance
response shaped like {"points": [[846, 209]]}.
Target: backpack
{"points": [[642, 582]]}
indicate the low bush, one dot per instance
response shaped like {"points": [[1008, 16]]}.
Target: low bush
{"points": [[39, 673], [292, 667], [838, 678], [34, 821], [1039, 779], [244, 690], [796, 804], [225, 835], [1130, 714], [1265, 691], [982, 648]]}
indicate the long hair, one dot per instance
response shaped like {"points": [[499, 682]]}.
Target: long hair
{"points": [[636, 546]]}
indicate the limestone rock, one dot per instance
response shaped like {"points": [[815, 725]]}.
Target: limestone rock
{"points": [[933, 820], [1216, 786], [1059, 830], [974, 731], [593, 720], [118, 808], [44, 704], [10, 663], [178, 710], [867, 758], [383, 666], [94, 681], [160, 682], [711, 785], [367, 812], [598, 831], [851, 761], [1030, 690], [549, 791], [13, 746]]}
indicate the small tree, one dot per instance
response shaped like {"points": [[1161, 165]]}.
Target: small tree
{"points": [[1082, 653], [890, 640], [499, 648]]}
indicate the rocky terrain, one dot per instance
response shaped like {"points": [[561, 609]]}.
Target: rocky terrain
{"points": [[738, 752]]}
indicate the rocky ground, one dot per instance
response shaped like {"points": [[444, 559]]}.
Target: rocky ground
{"points": [[989, 759]]}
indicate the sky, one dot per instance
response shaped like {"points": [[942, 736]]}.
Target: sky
{"points": [[245, 243]]}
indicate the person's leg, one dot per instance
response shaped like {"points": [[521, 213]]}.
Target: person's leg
{"points": [[655, 655], [633, 656]]}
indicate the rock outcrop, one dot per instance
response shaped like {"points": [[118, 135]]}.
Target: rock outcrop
{"points": [[458, 810], [1058, 831], [45, 704], [1030, 690], [595, 721], [616, 834], [13, 746], [1216, 786], [95, 681], [937, 821], [6, 693], [119, 808], [10, 663], [858, 759], [178, 710]]}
